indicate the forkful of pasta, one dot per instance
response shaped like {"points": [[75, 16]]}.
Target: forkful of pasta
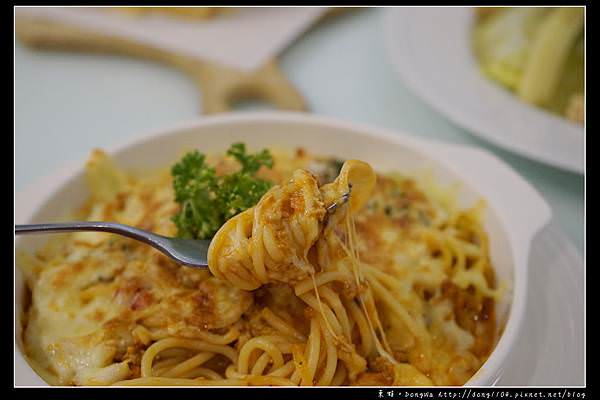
{"points": [[187, 252]]}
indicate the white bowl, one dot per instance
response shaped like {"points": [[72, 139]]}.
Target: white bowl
{"points": [[430, 49], [515, 211]]}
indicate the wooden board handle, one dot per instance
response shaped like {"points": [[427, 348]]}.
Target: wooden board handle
{"points": [[221, 86]]}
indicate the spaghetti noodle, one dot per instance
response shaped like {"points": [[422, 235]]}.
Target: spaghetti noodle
{"points": [[394, 287]]}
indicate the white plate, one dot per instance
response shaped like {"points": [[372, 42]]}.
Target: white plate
{"points": [[248, 38], [430, 49], [514, 215], [550, 352]]}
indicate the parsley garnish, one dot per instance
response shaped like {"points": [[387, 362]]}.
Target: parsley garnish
{"points": [[208, 200]]}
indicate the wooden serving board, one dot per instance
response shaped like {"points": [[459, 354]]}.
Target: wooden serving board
{"points": [[221, 86]]}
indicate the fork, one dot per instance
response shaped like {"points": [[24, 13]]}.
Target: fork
{"points": [[188, 252]]}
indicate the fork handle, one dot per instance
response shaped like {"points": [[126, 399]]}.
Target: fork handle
{"points": [[94, 226], [177, 249]]}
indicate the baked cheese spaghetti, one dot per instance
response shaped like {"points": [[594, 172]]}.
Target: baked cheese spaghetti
{"points": [[393, 287]]}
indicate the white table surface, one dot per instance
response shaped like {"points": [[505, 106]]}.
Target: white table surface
{"points": [[66, 104]]}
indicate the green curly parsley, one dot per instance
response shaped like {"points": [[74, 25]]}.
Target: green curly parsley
{"points": [[208, 200]]}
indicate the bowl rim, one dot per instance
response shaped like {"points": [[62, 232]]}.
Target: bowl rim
{"points": [[491, 369]]}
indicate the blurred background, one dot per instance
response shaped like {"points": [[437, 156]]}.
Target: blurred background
{"points": [[162, 67]]}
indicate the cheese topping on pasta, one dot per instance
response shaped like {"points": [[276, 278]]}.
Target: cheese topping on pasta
{"points": [[392, 287]]}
